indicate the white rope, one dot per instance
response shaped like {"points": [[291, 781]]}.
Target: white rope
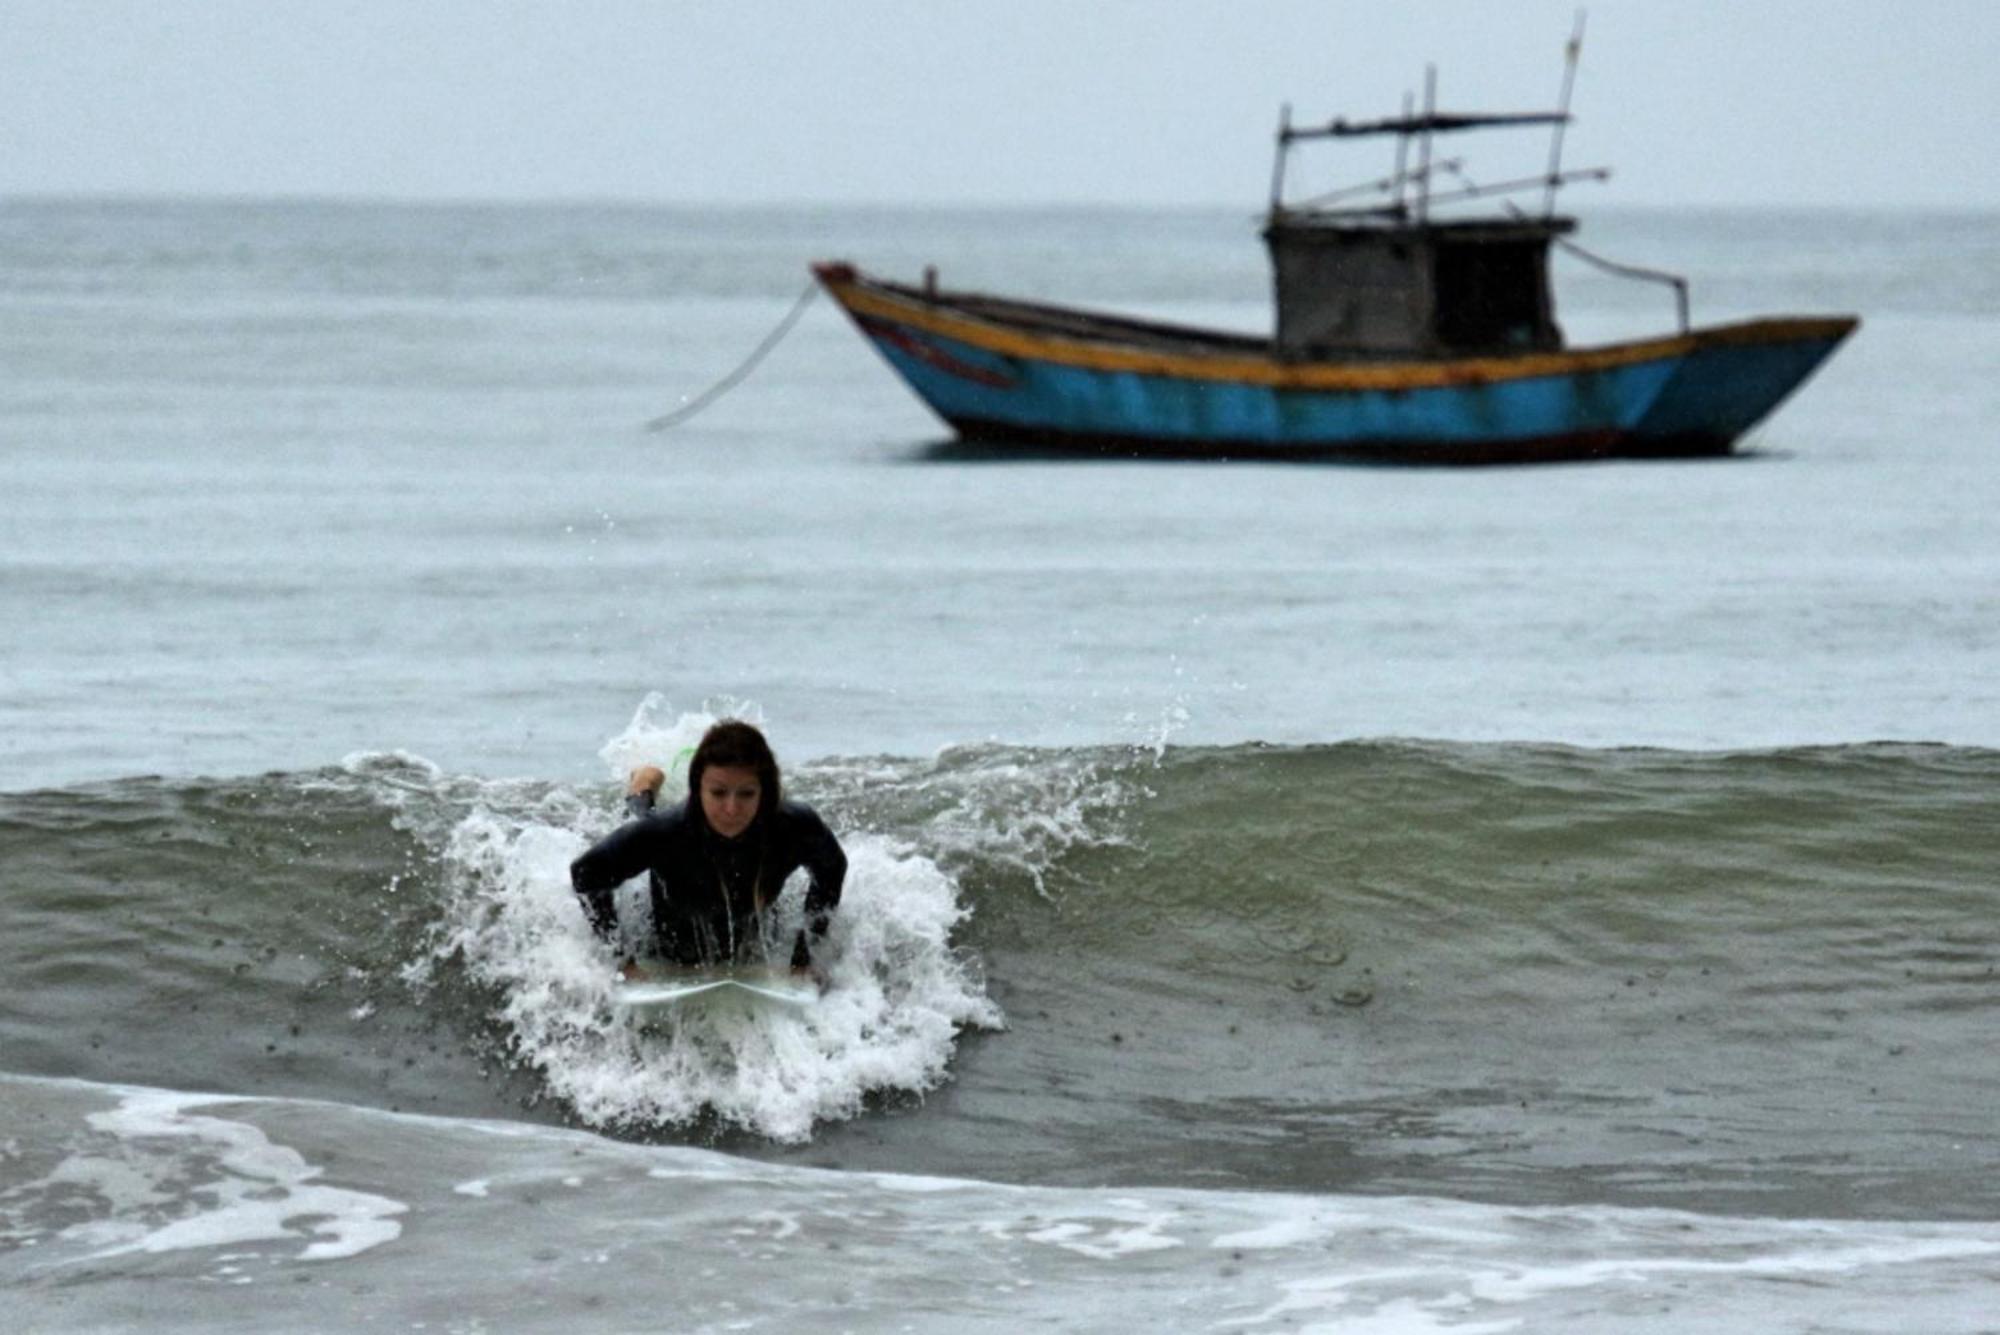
{"points": [[735, 378]]}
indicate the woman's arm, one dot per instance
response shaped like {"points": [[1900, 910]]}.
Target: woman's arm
{"points": [[618, 857], [826, 863], [608, 864]]}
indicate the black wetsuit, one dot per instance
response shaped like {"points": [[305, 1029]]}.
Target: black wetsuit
{"points": [[709, 893]]}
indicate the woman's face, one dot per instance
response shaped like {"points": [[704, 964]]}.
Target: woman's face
{"points": [[729, 798]]}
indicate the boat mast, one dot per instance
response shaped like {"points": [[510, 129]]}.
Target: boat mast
{"points": [[1278, 166], [1570, 54], [1403, 154], [1424, 147]]}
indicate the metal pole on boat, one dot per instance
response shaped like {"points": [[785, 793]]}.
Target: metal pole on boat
{"points": [[1403, 152], [1284, 147], [1424, 148], [1570, 54]]}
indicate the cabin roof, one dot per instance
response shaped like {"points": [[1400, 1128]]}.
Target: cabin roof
{"points": [[1433, 122], [1391, 224]]}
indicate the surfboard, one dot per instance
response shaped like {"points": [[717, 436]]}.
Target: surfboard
{"points": [[661, 990]]}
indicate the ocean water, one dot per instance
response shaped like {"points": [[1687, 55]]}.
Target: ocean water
{"points": [[1282, 897]]}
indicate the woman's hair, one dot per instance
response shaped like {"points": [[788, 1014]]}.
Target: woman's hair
{"points": [[735, 743]]}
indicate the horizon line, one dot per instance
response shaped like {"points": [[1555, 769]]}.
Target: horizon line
{"points": [[244, 199]]}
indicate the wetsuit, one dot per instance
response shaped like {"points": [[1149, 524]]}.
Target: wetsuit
{"points": [[708, 892]]}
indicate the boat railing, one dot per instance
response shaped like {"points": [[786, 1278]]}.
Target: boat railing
{"points": [[1451, 166], [1380, 186], [1637, 272]]}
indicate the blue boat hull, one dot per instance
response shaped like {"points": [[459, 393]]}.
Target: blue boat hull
{"points": [[1056, 379]]}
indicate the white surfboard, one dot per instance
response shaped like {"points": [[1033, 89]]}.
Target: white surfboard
{"points": [[661, 990]]}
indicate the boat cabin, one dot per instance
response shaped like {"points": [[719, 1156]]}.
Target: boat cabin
{"points": [[1393, 279], [1348, 286]]}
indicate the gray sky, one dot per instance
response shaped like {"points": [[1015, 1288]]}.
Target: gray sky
{"points": [[1005, 101]]}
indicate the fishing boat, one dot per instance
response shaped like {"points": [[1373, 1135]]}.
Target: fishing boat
{"points": [[1405, 332]]}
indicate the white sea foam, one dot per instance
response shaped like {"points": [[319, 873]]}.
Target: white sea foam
{"points": [[162, 1178], [659, 735], [1103, 1239], [705, 1231], [898, 995], [1417, 1265], [1002, 809]]}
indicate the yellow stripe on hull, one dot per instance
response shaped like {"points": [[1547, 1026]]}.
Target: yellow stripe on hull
{"points": [[870, 302]]}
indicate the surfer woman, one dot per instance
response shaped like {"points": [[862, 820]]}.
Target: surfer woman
{"points": [[717, 860]]}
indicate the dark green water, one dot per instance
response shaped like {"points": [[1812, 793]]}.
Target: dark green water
{"points": [[1751, 983]]}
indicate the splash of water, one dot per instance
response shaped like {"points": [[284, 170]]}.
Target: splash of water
{"points": [[898, 991]]}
